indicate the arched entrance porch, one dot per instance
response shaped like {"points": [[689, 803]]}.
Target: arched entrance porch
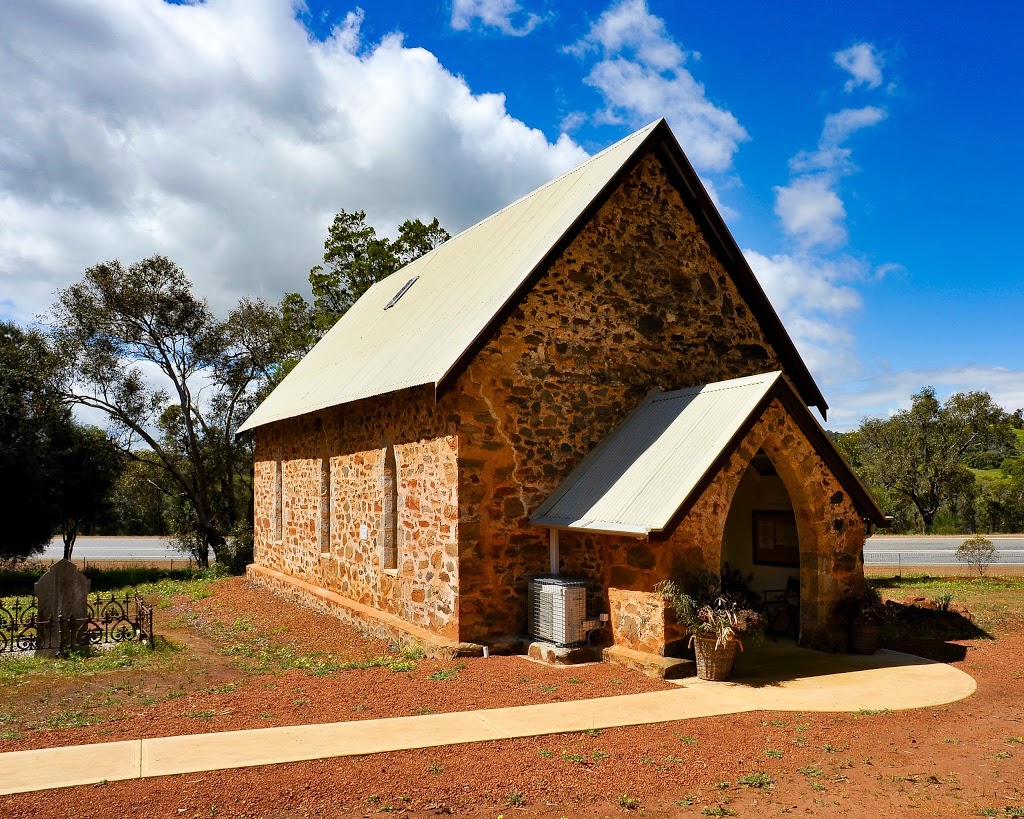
{"points": [[760, 541]]}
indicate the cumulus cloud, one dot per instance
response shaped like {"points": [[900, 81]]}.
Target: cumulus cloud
{"points": [[223, 135], [883, 394], [812, 211], [641, 74], [864, 64], [840, 126], [814, 286], [809, 207], [813, 296], [499, 14]]}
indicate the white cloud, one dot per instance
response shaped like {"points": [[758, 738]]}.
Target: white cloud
{"points": [[641, 75], [881, 395], [222, 135], [571, 121], [840, 126], [809, 207], [813, 296], [811, 211], [499, 14], [814, 288], [864, 64]]}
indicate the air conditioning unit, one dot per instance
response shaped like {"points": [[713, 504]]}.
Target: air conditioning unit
{"points": [[557, 609]]}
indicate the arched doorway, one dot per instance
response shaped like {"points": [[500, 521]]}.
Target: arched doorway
{"points": [[760, 540]]}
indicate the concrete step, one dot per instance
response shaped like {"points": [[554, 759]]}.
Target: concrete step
{"points": [[653, 665]]}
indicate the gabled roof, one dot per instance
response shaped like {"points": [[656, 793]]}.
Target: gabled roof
{"points": [[463, 287], [657, 461]]}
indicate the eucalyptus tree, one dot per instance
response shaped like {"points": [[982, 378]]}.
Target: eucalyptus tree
{"points": [[31, 416], [173, 379], [920, 454]]}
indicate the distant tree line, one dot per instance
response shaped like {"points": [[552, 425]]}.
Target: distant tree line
{"points": [[943, 468], [137, 348]]}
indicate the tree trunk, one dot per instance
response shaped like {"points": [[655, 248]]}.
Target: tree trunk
{"points": [[69, 534]]}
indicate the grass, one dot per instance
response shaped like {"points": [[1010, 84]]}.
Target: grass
{"points": [[257, 654], [756, 780], [137, 656], [161, 584], [446, 674], [71, 718], [995, 601], [628, 802]]}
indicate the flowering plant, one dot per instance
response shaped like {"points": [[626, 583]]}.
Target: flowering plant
{"points": [[720, 617]]}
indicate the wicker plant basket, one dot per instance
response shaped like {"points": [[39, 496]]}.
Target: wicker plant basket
{"points": [[714, 662], [864, 639]]}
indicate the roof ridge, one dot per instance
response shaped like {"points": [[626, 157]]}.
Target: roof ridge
{"points": [[640, 134]]}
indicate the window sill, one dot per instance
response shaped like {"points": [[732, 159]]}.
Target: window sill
{"points": [[392, 572]]}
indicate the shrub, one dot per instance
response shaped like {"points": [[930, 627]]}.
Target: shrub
{"points": [[978, 553]]}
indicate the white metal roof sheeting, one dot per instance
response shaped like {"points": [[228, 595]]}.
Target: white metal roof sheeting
{"points": [[462, 285], [636, 480]]}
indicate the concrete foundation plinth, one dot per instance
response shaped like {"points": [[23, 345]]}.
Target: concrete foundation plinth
{"points": [[562, 655], [653, 665]]}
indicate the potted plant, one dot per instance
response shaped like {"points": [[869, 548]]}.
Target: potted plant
{"points": [[715, 627], [863, 613]]}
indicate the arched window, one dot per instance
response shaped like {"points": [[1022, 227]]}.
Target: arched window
{"points": [[325, 505], [278, 498], [389, 525]]}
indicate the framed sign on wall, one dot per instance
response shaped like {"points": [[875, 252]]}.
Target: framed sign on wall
{"points": [[775, 539]]}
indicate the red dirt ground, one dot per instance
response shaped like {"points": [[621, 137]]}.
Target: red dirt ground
{"points": [[952, 761]]}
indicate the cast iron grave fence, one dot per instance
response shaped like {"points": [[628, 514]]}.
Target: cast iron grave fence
{"points": [[108, 620]]}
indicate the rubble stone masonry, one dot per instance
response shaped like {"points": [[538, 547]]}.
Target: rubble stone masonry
{"points": [[423, 590], [829, 528], [637, 300]]}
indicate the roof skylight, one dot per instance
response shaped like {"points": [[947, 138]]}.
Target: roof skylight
{"points": [[400, 293]]}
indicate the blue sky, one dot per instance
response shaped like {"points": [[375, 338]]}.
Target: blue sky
{"points": [[864, 155]]}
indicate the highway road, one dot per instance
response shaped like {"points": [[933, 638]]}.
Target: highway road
{"points": [[116, 548], [934, 551], [878, 549]]}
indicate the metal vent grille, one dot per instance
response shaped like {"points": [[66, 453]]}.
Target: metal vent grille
{"points": [[557, 609]]}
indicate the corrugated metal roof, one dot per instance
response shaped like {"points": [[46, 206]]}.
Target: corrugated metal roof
{"points": [[462, 285], [636, 480]]}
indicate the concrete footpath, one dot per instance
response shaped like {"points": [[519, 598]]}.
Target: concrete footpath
{"points": [[774, 677]]}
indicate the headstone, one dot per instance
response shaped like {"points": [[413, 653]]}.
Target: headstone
{"points": [[62, 607]]}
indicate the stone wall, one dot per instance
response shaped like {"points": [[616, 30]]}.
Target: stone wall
{"points": [[423, 590], [638, 299], [829, 528]]}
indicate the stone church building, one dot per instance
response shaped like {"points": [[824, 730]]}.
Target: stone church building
{"points": [[589, 382]]}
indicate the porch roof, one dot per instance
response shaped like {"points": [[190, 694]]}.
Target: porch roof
{"points": [[637, 480]]}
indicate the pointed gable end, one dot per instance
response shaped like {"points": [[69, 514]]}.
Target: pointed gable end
{"points": [[463, 288]]}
